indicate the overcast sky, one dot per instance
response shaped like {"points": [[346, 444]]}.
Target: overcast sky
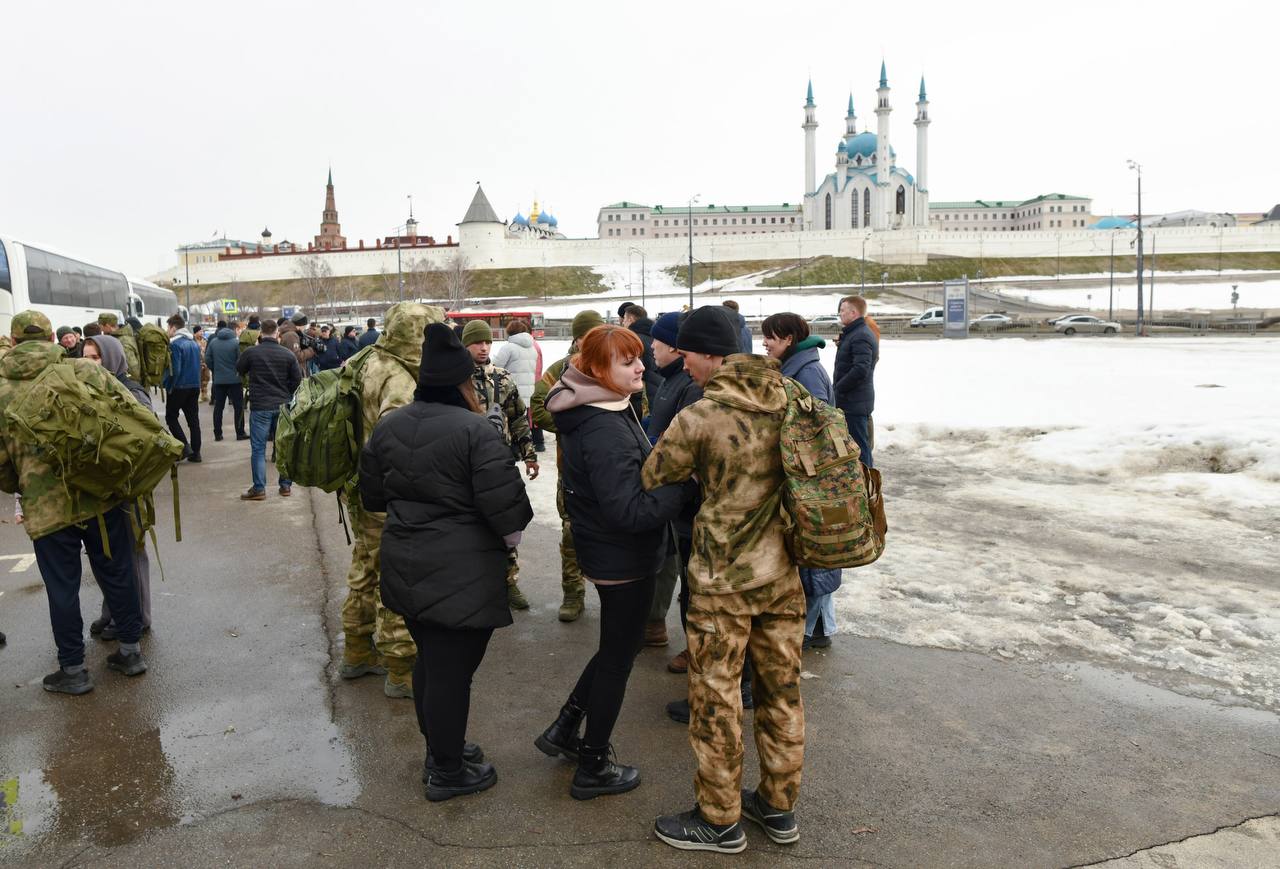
{"points": [[130, 128]]}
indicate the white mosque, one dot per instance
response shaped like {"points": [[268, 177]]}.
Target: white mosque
{"points": [[867, 189]]}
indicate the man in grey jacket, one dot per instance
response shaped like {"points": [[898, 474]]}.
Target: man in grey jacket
{"points": [[220, 358]]}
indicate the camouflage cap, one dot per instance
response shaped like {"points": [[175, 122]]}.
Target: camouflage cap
{"points": [[30, 326], [108, 319]]}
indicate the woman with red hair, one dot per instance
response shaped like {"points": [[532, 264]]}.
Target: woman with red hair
{"points": [[620, 533]]}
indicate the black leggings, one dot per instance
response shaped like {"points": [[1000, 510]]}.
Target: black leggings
{"points": [[447, 659], [603, 683]]}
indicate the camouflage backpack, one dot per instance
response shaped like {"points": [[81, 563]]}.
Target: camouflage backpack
{"points": [[831, 503], [153, 352], [319, 433], [98, 441]]}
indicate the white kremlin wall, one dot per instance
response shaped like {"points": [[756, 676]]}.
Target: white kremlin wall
{"points": [[486, 246]]}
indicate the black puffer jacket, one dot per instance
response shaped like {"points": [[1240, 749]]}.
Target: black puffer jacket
{"points": [[619, 529], [445, 480], [652, 379], [677, 392], [855, 368]]}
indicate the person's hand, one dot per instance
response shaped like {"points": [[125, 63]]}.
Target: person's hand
{"points": [[531, 469]]}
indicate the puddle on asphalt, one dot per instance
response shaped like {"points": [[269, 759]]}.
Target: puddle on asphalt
{"points": [[111, 778], [1187, 696]]}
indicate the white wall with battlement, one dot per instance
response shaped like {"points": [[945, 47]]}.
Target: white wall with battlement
{"points": [[488, 247]]}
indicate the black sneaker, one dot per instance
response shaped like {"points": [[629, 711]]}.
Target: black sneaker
{"points": [[3, 638], [678, 711], [779, 825], [242, 437], [748, 699], [217, 437], [130, 664], [470, 778], [471, 753], [689, 831], [195, 457], [108, 631], [63, 682]]}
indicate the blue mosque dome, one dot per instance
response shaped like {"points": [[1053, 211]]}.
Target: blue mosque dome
{"points": [[841, 147], [865, 144]]}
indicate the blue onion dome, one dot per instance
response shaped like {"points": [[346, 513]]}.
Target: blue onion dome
{"points": [[865, 144], [841, 147], [552, 222], [544, 219], [520, 220]]}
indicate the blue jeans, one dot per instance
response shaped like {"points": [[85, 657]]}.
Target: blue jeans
{"points": [[260, 425], [859, 428]]}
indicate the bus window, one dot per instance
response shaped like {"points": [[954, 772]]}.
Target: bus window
{"points": [[5, 282], [38, 291]]}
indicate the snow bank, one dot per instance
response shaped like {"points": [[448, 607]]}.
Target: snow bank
{"points": [[1168, 296]]}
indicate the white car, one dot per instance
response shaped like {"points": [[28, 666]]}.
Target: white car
{"points": [[825, 320], [991, 321], [931, 317], [1085, 323]]}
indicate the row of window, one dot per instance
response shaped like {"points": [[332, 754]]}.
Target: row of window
{"points": [[616, 217], [712, 221], [1017, 215], [57, 280], [5, 282], [900, 207], [1077, 223]]}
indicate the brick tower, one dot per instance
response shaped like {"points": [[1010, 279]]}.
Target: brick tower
{"points": [[330, 237]]}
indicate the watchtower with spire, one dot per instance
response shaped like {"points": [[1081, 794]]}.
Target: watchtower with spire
{"points": [[330, 237]]}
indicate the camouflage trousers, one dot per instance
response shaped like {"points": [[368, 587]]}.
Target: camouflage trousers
{"points": [[513, 567], [570, 573], [722, 627], [371, 630]]}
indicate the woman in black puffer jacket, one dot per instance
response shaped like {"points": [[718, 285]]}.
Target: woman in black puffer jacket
{"points": [[620, 534], [445, 479]]}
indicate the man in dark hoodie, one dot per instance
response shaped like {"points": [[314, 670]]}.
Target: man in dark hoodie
{"points": [[220, 356], [637, 320]]}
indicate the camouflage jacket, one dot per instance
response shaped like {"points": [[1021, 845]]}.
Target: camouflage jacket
{"points": [[730, 441], [495, 388], [45, 501], [132, 359], [389, 367]]}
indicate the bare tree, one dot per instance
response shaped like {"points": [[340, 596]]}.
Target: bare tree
{"points": [[317, 281], [423, 280], [457, 280]]}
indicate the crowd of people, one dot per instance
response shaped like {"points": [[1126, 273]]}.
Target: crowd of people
{"points": [[669, 474]]}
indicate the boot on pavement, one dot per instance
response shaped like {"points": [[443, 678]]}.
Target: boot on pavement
{"points": [[471, 753], [778, 825], [680, 663], [655, 633], [689, 831], [362, 659], [63, 682], [129, 663], [573, 605], [399, 684], [516, 599], [562, 736], [470, 778], [598, 775]]}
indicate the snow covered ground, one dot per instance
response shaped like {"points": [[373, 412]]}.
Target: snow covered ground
{"points": [[1168, 296], [1113, 500]]}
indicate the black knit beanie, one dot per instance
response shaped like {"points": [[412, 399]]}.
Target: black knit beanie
{"points": [[445, 362], [711, 330]]}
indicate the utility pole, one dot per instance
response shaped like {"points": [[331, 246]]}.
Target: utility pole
{"points": [[1111, 294], [186, 260], [1138, 324], [1151, 306], [689, 223], [630, 251]]}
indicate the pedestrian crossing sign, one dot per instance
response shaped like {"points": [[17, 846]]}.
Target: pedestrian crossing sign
{"points": [[230, 306]]}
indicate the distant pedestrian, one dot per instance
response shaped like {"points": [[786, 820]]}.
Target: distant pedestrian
{"points": [[854, 379], [445, 480], [348, 346], [197, 334], [274, 375], [370, 333], [620, 535], [643, 326], [220, 357], [183, 386], [787, 339], [70, 341], [326, 345]]}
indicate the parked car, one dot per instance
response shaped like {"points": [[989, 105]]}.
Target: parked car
{"points": [[991, 321], [931, 317], [1085, 323], [825, 320]]}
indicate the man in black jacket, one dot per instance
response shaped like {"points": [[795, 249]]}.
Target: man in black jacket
{"points": [[854, 380], [370, 335], [274, 374]]}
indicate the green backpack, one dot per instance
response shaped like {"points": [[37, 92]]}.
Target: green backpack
{"points": [[99, 442], [831, 502], [153, 353], [319, 432]]}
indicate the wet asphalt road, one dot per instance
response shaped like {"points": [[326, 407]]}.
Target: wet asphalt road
{"points": [[241, 746]]}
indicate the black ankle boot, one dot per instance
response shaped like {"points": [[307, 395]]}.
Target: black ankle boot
{"points": [[562, 736], [470, 778], [599, 776]]}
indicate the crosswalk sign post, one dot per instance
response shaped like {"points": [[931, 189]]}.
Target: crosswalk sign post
{"points": [[230, 306]]}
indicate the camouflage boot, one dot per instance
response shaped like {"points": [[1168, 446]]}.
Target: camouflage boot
{"points": [[399, 684], [516, 599], [357, 662], [574, 603]]}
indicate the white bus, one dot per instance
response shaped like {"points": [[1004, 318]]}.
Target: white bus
{"points": [[151, 303], [70, 292]]}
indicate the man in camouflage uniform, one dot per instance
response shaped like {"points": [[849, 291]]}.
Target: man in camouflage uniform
{"points": [[745, 592], [59, 525], [110, 324], [570, 574], [246, 338], [376, 639], [497, 392]]}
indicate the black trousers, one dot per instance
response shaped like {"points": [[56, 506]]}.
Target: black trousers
{"points": [[603, 683], [447, 659], [234, 392], [58, 557], [186, 401]]}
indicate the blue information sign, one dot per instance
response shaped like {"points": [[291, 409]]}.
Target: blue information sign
{"points": [[955, 309]]}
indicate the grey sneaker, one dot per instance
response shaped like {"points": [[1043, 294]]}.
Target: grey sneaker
{"points": [[779, 825], [63, 682]]}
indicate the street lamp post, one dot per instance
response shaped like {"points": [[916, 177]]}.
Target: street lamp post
{"points": [[862, 281], [1111, 293], [1138, 325], [639, 251], [186, 261], [689, 223]]}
